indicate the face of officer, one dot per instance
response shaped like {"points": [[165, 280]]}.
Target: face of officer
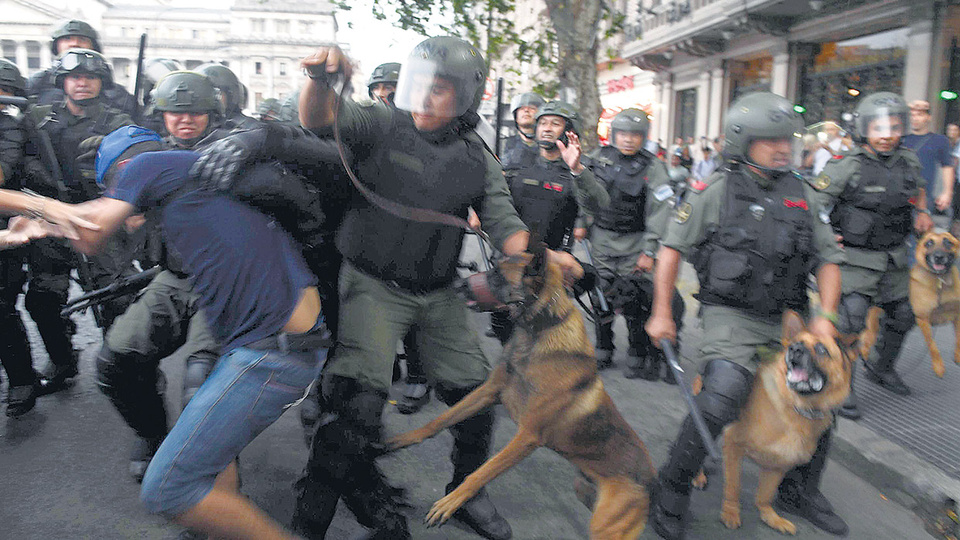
{"points": [[81, 86], [550, 127], [525, 117], [771, 153], [185, 125], [382, 91], [883, 133], [628, 142], [66, 43], [438, 102]]}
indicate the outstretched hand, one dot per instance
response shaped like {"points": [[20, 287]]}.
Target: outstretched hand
{"points": [[21, 230], [570, 152]]}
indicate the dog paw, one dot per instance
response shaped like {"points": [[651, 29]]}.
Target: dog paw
{"points": [[444, 509], [774, 521], [701, 480], [730, 516]]}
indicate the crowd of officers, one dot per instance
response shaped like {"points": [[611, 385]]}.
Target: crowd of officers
{"points": [[754, 231]]}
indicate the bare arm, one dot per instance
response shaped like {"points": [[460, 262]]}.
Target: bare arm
{"points": [[946, 188], [317, 99], [108, 214], [64, 216], [828, 282], [661, 325]]}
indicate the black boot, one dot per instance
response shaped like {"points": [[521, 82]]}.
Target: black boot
{"points": [[59, 376], [471, 448], [799, 492], [673, 497], [896, 323], [140, 456], [849, 408], [636, 366]]}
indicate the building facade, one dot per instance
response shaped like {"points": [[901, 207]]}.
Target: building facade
{"points": [[694, 57], [261, 42]]}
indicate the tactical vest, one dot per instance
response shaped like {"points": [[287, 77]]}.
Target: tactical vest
{"points": [[446, 175], [876, 213], [517, 155], [759, 254], [624, 178], [544, 197]]}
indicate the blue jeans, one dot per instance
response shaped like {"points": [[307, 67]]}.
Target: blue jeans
{"points": [[246, 392]]}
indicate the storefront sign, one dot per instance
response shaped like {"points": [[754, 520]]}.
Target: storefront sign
{"points": [[619, 85]]}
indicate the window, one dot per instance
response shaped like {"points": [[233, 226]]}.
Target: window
{"points": [[196, 34], [258, 98], [305, 27], [10, 50], [283, 68], [258, 68], [33, 55], [259, 25], [283, 27]]}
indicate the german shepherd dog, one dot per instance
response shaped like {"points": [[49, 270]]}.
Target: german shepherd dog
{"points": [[789, 408], [548, 381]]}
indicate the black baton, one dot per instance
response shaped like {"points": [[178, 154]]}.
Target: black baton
{"points": [[688, 396]]}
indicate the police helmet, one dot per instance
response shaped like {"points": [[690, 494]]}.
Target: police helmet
{"points": [[77, 61], [117, 146], [227, 82], [187, 91], [761, 115], [290, 109], [630, 121], [383, 74], [882, 106], [75, 28], [155, 68], [563, 110], [526, 99], [448, 58], [10, 78], [269, 109]]}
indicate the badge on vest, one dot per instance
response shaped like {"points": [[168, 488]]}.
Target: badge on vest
{"points": [[663, 192], [683, 213], [799, 203], [822, 182], [757, 211]]}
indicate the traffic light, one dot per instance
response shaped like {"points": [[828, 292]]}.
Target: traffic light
{"points": [[948, 95], [800, 108]]}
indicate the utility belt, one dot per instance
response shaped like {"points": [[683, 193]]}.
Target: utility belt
{"points": [[286, 342], [417, 287]]}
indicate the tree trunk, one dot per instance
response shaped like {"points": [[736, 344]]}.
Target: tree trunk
{"points": [[577, 23]]}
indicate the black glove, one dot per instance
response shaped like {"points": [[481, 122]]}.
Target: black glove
{"points": [[87, 149], [221, 161]]}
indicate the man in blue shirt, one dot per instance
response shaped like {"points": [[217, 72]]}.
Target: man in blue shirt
{"points": [[263, 306], [935, 153]]}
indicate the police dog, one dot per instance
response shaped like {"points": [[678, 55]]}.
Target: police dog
{"points": [[789, 408], [548, 381], [934, 295]]}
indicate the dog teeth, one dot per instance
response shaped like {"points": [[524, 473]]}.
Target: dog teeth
{"points": [[817, 384]]}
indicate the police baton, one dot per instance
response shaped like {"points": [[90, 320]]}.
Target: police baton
{"points": [[695, 413]]}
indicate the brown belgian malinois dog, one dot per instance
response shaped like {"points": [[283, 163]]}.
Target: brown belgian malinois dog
{"points": [[789, 408], [548, 381]]}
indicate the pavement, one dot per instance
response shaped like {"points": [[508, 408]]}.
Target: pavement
{"points": [[63, 466]]}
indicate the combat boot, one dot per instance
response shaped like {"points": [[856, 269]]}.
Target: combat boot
{"points": [[881, 370], [799, 492], [604, 359], [59, 376], [140, 455], [414, 397], [636, 366], [849, 409], [21, 400], [672, 500]]}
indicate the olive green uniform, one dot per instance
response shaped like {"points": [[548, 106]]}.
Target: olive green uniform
{"points": [[731, 333], [450, 349], [881, 275]]}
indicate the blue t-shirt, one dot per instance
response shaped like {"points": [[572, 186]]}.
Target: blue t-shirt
{"points": [[934, 152], [247, 270]]}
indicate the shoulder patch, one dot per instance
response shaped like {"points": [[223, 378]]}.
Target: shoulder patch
{"points": [[821, 182], [682, 213], [698, 185]]}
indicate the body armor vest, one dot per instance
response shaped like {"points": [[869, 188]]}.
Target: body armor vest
{"points": [[624, 178], [446, 174], [876, 213], [758, 256], [517, 155], [544, 197]]}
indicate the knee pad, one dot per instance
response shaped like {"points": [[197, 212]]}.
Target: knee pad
{"points": [[852, 313], [899, 316], [726, 387], [198, 369]]}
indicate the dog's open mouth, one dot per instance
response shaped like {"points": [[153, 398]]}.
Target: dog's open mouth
{"points": [[939, 261], [803, 377]]}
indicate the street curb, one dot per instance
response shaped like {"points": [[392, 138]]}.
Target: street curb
{"points": [[895, 471]]}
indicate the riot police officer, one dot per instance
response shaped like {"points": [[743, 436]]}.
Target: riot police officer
{"points": [[232, 94], [14, 344], [74, 128], [521, 149], [624, 234], [753, 234], [269, 110], [383, 82], [155, 69], [75, 34], [870, 189], [189, 105], [409, 153], [556, 192]]}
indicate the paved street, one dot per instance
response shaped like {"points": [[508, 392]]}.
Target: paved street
{"points": [[63, 471]]}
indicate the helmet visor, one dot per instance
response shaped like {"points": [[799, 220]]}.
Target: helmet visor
{"points": [[423, 89], [81, 62], [881, 123], [780, 154]]}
